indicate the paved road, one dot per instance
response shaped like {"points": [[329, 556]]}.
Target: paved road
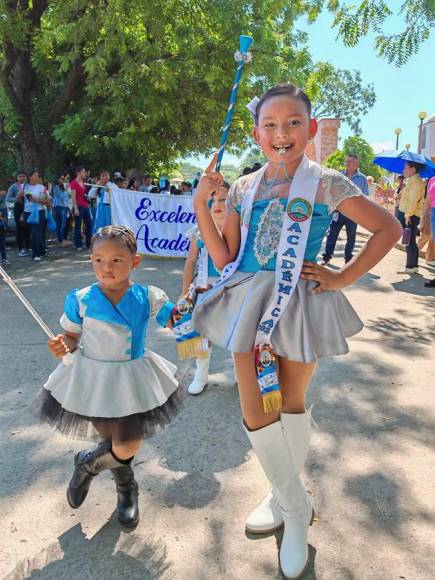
{"points": [[371, 468]]}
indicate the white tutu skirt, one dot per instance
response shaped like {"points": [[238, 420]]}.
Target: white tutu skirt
{"points": [[312, 325], [123, 401]]}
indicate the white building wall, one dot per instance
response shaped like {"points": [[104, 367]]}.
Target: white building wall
{"points": [[428, 138]]}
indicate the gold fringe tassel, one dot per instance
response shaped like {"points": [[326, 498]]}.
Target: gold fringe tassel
{"points": [[272, 402], [193, 348]]}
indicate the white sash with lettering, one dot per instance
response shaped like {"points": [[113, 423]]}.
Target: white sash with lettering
{"points": [[202, 275], [292, 244], [245, 217]]}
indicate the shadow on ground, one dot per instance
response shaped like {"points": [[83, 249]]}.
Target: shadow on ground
{"points": [[76, 557]]}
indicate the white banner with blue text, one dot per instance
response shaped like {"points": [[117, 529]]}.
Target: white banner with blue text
{"points": [[159, 221]]}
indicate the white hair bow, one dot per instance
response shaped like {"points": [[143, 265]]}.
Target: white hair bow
{"points": [[252, 106]]}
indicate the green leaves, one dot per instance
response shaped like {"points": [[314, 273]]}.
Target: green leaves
{"points": [[339, 93], [124, 83], [360, 147], [354, 23]]}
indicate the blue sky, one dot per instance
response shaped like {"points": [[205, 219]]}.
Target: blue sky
{"points": [[401, 93]]}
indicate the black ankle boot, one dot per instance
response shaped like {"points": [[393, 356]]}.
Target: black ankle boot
{"points": [[127, 488], [88, 464]]}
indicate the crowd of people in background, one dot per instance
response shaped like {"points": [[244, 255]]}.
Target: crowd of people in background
{"points": [[75, 204]]}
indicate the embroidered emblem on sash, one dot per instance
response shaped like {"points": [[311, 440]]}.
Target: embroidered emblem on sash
{"points": [[299, 209]]}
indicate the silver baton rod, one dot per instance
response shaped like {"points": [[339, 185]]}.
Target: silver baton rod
{"points": [[29, 307]]}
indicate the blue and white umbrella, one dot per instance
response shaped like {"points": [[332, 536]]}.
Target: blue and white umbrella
{"points": [[395, 162]]}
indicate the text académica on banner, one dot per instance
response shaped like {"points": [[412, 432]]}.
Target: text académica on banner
{"points": [[159, 222]]}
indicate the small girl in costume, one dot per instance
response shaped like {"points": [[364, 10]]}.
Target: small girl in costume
{"points": [[274, 307], [198, 252], [115, 389]]}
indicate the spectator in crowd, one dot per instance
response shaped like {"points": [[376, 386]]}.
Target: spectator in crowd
{"points": [[134, 184], [399, 186], [70, 211], [196, 181], [60, 200], [82, 213], [164, 186], [410, 212], [15, 195], [103, 195], [147, 184], [339, 220], [120, 181], [186, 188], [429, 224], [426, 233], [173, 190], [36, 200], [92, 201], [371, 186], [3, 224]]}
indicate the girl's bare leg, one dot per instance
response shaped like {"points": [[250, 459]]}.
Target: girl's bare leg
{"points": [[125, 451], [249, 391], [294, 379], [121, 451]]}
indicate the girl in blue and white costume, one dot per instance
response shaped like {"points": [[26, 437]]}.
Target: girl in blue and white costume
{"points": [[200, 270], [274, 307], [102, 191], [115, 389]]}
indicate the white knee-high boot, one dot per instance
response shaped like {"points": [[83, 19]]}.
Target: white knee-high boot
{"points": [[200, 378], [267, 517], [274, 454]]}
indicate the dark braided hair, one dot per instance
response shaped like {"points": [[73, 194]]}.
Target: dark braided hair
{"points": [[289, 90], [116, 232]]}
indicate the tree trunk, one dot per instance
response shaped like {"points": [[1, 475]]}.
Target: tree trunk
{"points": [[18, 76], [30, 151]]}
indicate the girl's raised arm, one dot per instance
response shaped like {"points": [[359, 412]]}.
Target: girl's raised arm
{"points": [[222, 247]]}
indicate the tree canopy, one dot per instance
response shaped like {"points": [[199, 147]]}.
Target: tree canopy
{"points": [[122, 83], [340, 93], [355, 21]]}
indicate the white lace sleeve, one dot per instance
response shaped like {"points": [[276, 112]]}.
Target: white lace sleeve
{"points": [[237, 191], [157, 299], [232, 200], [193, 234], [334, 187]]}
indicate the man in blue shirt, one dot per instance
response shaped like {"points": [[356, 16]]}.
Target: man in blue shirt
{"points": [[339, 220]]}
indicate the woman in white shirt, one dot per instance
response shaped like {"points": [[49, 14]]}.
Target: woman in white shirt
{"points": [[36, 200]]}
